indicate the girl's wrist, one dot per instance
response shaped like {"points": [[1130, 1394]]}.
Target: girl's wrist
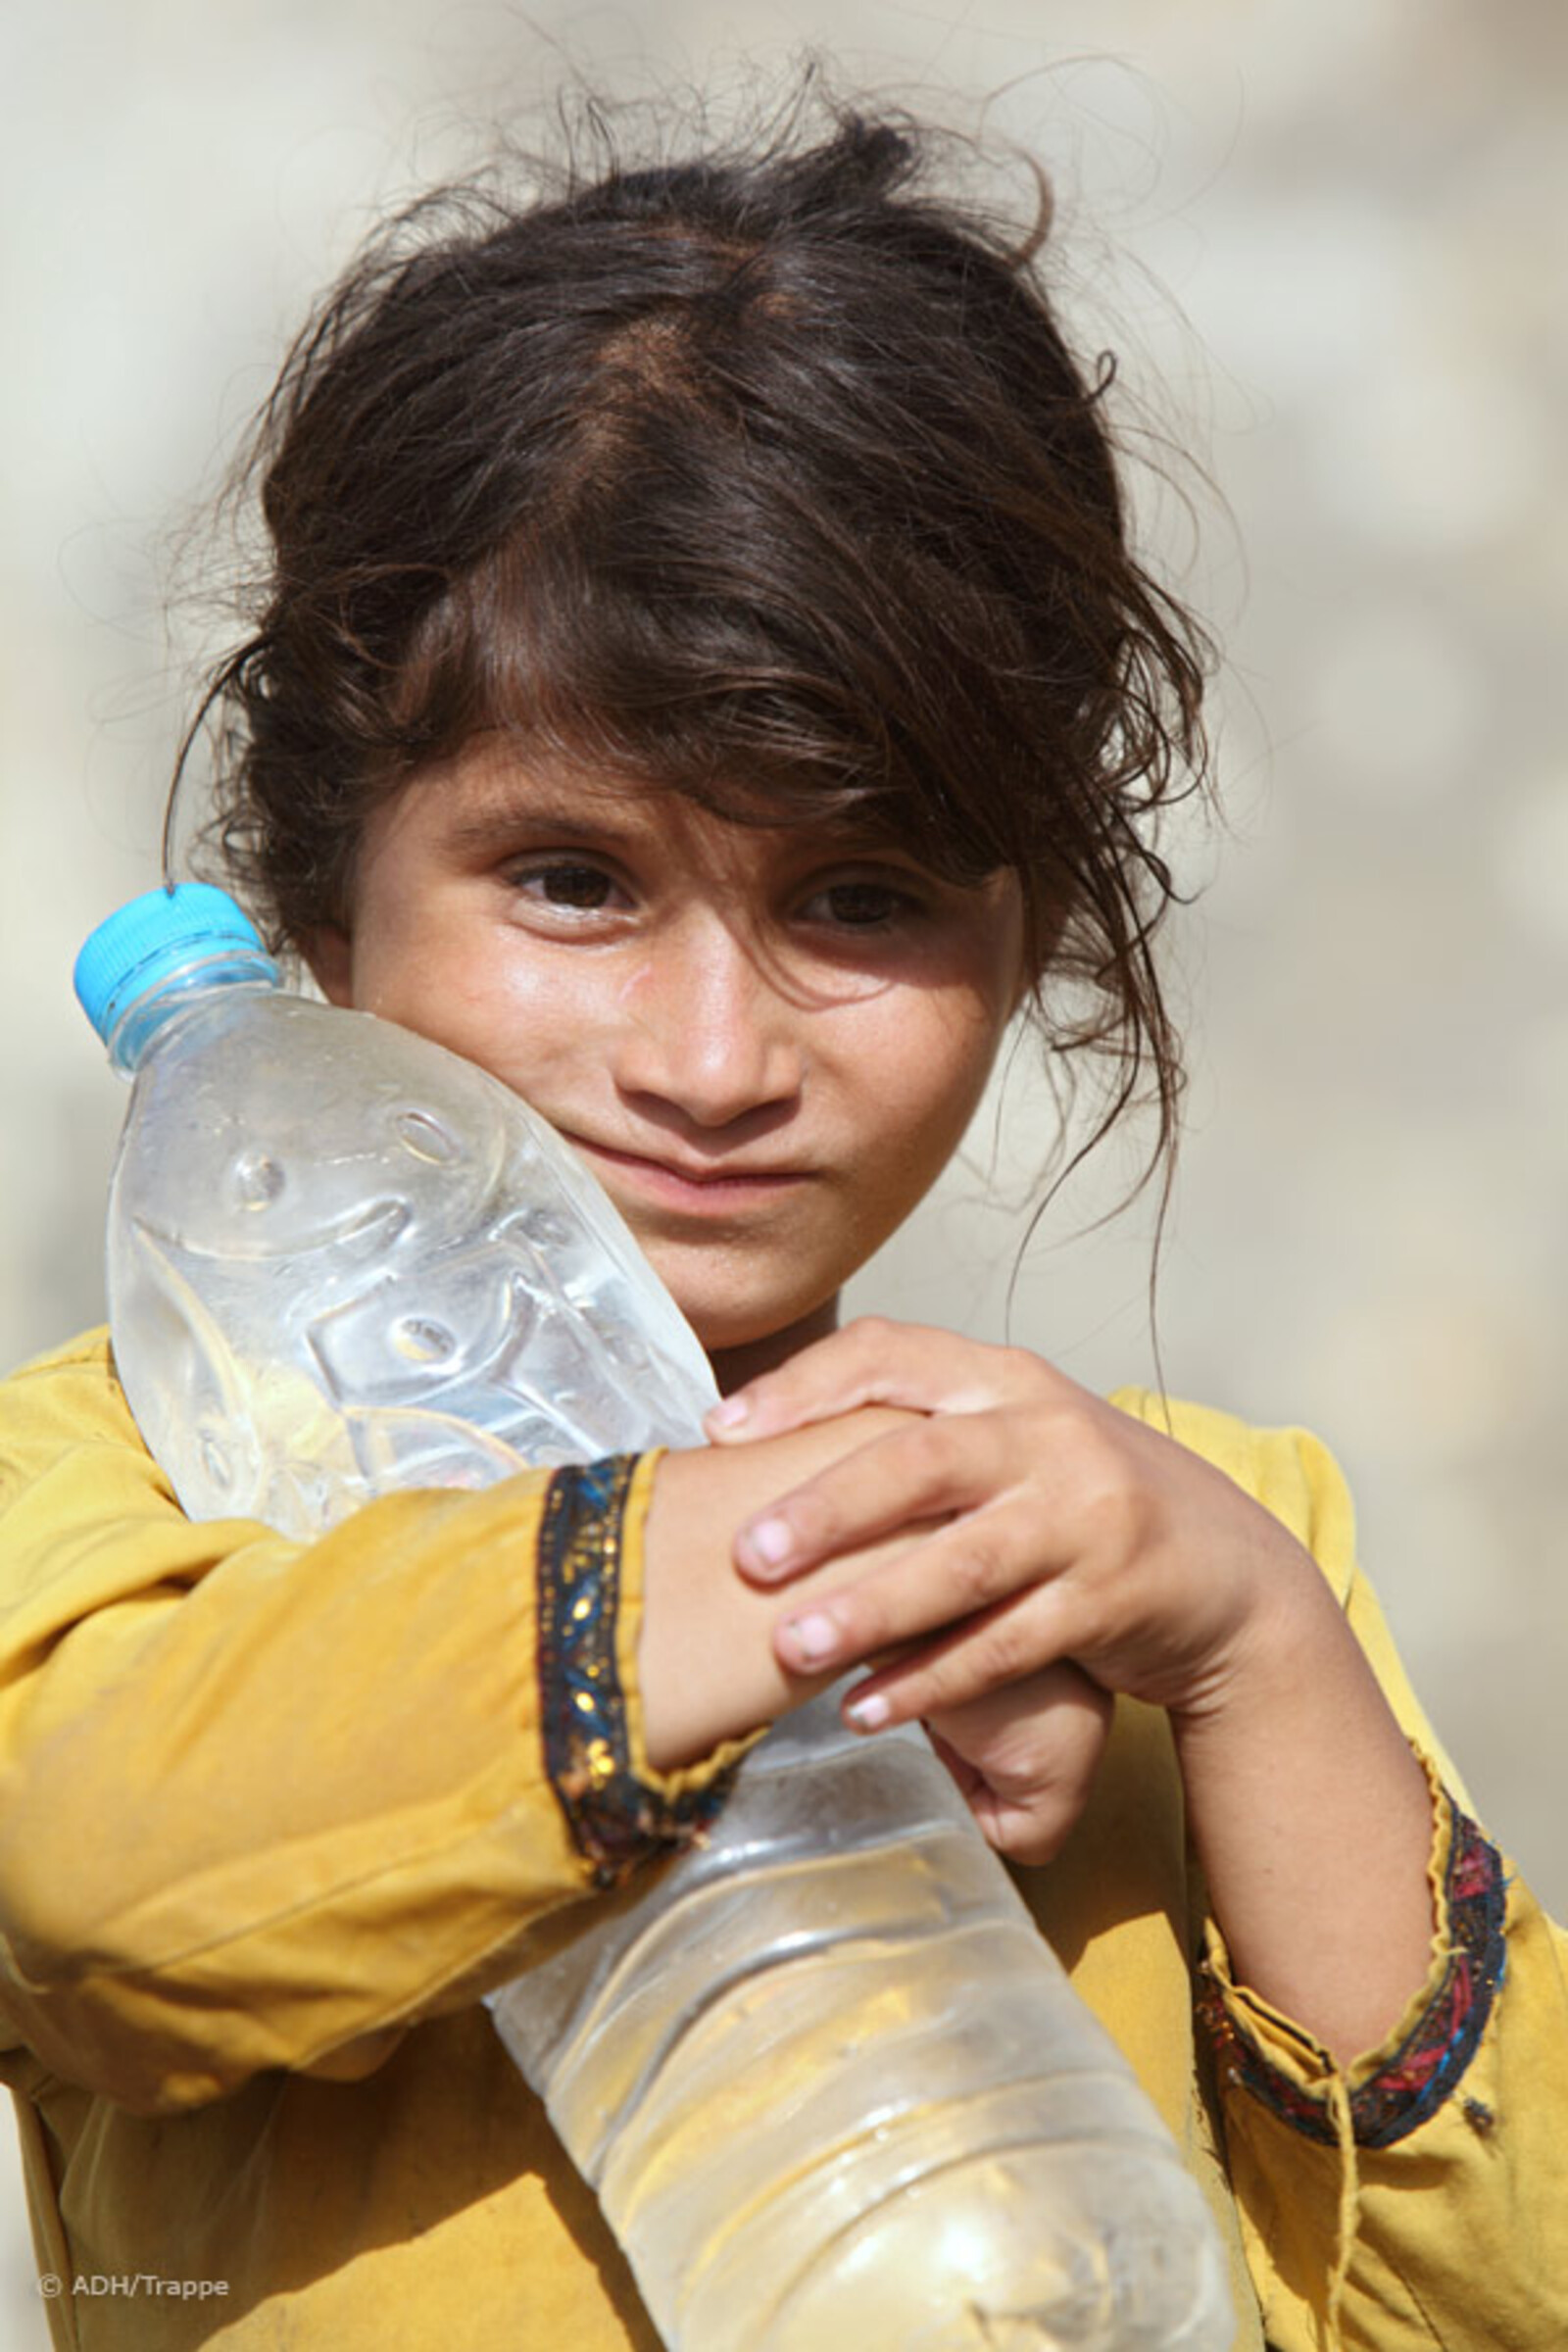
{"points": [[1289, 1630]]}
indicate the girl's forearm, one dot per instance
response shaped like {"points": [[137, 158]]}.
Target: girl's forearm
{"points": [[1312, 1820], [706, 1656]]}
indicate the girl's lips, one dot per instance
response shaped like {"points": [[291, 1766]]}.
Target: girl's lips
{"points": [[714, 1190]]}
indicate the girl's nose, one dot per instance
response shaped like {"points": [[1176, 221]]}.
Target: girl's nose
{"points": [[706, 1032]]}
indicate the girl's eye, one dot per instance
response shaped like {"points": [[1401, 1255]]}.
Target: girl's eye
{"points": [[861, 905], [565, 882]]}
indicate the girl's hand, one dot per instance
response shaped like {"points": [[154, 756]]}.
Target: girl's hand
{"points": [[1045, 1526], [1033, 1524], [1025, 1758]]}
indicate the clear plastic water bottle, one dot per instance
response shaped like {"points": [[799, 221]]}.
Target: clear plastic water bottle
{"points": [[830, 2083]]}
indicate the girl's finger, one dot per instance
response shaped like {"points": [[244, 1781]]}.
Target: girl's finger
{"points": [[1012, 1735], [922, 1472], [870, 1361], [987, 1652], [958, 1589], [1025, 1757]]}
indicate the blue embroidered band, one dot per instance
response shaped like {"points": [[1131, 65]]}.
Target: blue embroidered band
{"points": [[615, 1819], [1433, 2056]]}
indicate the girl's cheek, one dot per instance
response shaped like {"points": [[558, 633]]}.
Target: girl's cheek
{"points": [[629, 985]]}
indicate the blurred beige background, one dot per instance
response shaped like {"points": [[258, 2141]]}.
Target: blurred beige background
{"points": [[1334, 233]]}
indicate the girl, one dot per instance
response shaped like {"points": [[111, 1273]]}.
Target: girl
{"points": [[703, 677]]}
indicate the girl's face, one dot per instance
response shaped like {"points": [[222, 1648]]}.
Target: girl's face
{"points": [[766, 1044]]}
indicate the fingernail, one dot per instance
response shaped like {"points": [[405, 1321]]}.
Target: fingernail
{"points": [[770, 1540], [728, 1413], [868, 1714], [814, 1638]]}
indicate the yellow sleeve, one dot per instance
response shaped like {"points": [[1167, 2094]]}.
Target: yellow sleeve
{"points": [[264, 1800], [1415, 2200]]}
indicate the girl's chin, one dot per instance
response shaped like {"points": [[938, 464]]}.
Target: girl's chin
{"points": [[739, 1347], [745, 1314]]}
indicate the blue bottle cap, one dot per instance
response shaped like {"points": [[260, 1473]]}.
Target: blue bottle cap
{"points": [[151, 937]]}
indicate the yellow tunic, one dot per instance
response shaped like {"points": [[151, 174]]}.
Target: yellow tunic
{"points": [[275, 1816]]}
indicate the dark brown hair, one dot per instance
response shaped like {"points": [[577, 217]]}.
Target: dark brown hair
{"points": [[766, 476]]}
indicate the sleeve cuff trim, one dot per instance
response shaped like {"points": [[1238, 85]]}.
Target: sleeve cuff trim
{"points": [[1427, 2065], [615, 1818]]}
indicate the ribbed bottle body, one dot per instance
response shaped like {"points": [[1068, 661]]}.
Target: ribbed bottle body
{"points": [[835, 2092]]}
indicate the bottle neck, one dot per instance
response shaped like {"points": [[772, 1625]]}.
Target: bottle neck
{"points": [[149, 1017]]}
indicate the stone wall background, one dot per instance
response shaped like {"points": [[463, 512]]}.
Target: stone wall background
{"points": [[1329, 241]]}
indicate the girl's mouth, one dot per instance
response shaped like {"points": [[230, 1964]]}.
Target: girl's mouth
{"points": [[716, 1188]]}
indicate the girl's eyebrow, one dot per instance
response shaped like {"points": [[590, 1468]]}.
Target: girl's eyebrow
{"points": [[603, 820], [498, 828]]}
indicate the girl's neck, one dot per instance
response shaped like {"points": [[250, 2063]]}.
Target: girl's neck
{"points": [[733, 1367]]}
